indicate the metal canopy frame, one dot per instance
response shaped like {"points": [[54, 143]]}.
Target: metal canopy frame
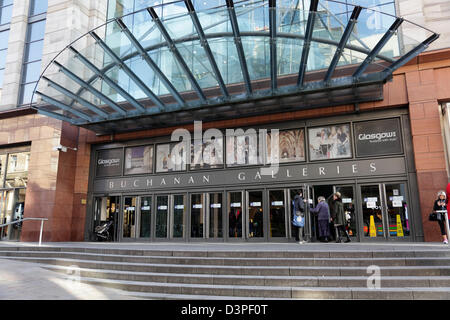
{"points": [[152, 111]]}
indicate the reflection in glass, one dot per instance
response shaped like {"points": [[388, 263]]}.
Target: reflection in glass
{"points": [[348, 200], [215, 215], [197, 215], [179, 212], [17, 172], [138, 160], [255, 214], [397, 210], [277, 213], [372, 212], [162, 207], [129, 217], [146, 214], [235, 214], [331, 142]]}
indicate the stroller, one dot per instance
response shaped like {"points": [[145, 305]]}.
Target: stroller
{"points": [[103, 231]]}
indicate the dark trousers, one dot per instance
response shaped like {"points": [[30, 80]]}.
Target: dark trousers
{"points": [[442, 226], [341, 228], [298, 231]]}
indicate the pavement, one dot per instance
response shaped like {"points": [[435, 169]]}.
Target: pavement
{"points": [[28, 281]]}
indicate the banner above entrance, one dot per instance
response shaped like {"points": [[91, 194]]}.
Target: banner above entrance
{"points": [[250, 176], [176, 62]]}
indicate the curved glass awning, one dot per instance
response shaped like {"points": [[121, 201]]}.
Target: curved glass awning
{"points": [[177, 62]]}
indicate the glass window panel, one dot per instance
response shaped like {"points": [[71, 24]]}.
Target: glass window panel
{"points": [[27, 93], [31, 72], [4, 3], [291, 146], [5, 14], [329, 142], [17, 172], [129, 217], [34, 51], [2, 169], [139, 160], [2, 72], [38, 7], [2, 58], [36, 31], [4, 35]]}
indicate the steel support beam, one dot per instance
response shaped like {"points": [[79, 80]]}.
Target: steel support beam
{"points": [[107, 80], [90, 88], [273, 43], [411, 54], [56, 116], [371, 56], [153, 97], [65, 107], [204, 43], [307, 41], [173, 48], [77, 98], [344, 39], [144, 54], [239, 47]]}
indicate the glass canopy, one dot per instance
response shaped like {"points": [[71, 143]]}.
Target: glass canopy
{"points": [[146, 69]]}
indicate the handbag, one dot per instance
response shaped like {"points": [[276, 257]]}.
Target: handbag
{"points": [[434, 216], [298, 221]]}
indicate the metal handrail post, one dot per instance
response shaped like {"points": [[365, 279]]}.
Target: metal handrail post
{"points": [[40, 232], [447, 228], [26, 219]]}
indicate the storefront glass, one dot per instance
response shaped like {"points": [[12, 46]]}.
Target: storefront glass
{"points": [[146, 217], [179, 213], [255, 214], [197, 215], [277, 213], [397, 207], [372, 211], [215, 215], [129, 217], [235, 206], [162, 209]]}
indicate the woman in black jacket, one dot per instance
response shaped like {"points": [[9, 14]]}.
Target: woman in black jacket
{"points": [[338, 217], [440, 204]]}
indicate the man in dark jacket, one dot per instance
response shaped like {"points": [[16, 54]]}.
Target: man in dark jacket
{"points": [[338, 217], [323, 216]]}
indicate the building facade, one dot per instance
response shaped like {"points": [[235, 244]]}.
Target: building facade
{"points": [[386, 152]]}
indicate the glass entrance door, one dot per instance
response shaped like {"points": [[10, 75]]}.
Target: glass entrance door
{"points": [[235, 212], [145, 217], [197, 215], [277, 214], [106, 218], [129, 217], [215, 225], [162, 215], [255, 214], [348, 200], [372, 211], [385, 211]]}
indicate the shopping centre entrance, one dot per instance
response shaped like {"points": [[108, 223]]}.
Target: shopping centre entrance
{"points": [[373, 211]]}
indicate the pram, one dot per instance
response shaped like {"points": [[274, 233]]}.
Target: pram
{"points": [[103, 231]]}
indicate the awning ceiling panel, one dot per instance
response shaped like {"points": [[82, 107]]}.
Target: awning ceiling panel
{"points": [[181, 63]]}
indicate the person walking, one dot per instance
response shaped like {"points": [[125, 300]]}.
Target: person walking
{"points": [[299, 216], [441, 204], [338, 217], [323, 216]]}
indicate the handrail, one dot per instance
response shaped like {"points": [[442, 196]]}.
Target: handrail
{"points": [[28, 219]]}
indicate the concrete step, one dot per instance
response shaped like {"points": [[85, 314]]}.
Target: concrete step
{"points": [[444, 252], [267, 261], [252, 280], [241, 270], [262, 292]]}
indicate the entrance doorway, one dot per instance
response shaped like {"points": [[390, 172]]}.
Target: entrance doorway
{"points": [[384, 210], [106, 217]]}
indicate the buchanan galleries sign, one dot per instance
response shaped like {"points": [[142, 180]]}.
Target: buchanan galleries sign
{"points": [[252, 176]]}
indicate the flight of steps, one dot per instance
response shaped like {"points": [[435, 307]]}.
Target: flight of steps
{"points": [[294, 274]]}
